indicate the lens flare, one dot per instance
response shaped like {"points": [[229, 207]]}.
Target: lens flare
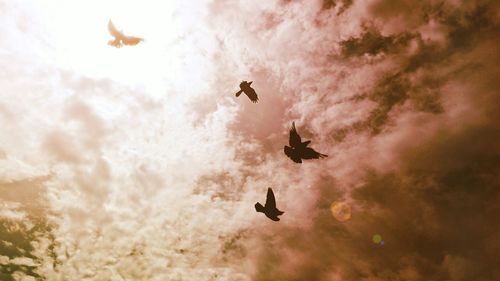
{"points": [[377, 238], [341, 211]]}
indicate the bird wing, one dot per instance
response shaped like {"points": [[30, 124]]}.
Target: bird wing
{"points": [[292, 154], [294, 140], [251, 94], [274, 218], [270, 201], [130, 40], [309, 153], [113, 31], [115, 43]]}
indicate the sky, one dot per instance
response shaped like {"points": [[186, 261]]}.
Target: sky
{"points": [[139, 163]]}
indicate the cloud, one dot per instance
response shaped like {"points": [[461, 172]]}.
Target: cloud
{"points": [[153, 176], [132, 191], [429, 211], [19, 229], [404, 76]]}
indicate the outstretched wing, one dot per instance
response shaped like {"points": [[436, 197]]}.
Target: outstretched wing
{"points": [[270, 201], [309, 153], [251, 94], [292, 154], [294, 139], [113, 31], [129, 40]]}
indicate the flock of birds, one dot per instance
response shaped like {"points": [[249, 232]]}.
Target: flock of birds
{"points": [[297, 151]]}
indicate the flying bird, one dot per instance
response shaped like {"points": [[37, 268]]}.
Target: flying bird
{"points": [[299, 150], [249, 91], [269, 209], [120, 38]]}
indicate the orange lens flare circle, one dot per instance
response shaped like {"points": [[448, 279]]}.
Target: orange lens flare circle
{"points": [[341, 211]]}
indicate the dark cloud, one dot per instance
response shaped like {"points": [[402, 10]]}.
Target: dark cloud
{"points": [[436, 211], [419, 78], [372, 42], [341, 5], [390, 92], [19, 233], [443, 202], [437, 215], [17, 243]]}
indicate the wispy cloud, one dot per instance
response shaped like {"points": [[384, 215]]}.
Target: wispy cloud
{"points": [[153, 176]]}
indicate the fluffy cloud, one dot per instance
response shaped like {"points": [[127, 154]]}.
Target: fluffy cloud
{"points": [[372, 83], [147, 169]]}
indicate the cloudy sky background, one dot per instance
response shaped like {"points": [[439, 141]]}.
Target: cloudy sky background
{"points": [[139, 164]]}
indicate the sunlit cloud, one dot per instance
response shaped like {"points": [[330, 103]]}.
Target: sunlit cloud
{"points": [[139, 163]]}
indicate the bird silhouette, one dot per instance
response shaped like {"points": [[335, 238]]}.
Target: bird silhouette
{"points": [[249, 91], [120, 38], [298, 150], [269, 209]]}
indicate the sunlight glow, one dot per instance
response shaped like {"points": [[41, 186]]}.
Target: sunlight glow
{"points": [[78, 35]]}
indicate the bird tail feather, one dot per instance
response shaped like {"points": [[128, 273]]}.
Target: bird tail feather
{"points": [[259, 207]]}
